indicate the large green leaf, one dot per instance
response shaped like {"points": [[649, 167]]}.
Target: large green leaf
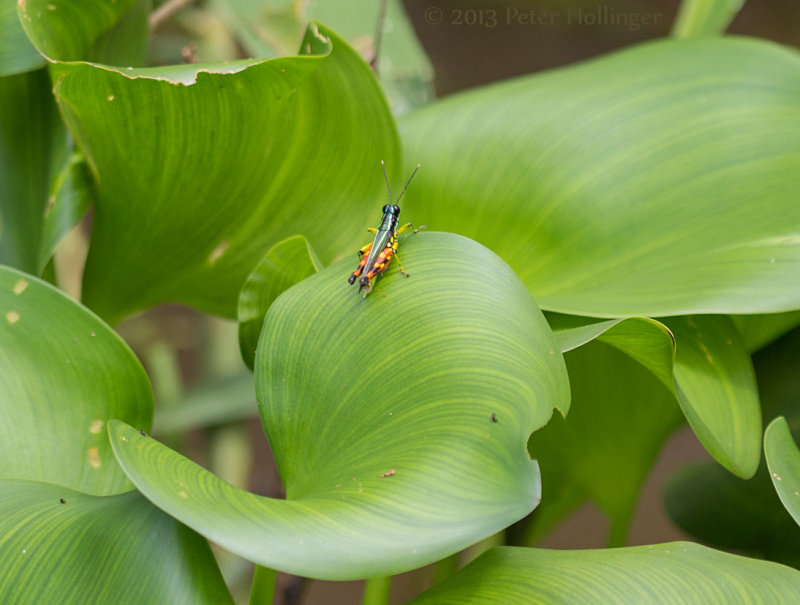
{"points": [[63, 375], [783, 461], [197, 185], [678, 572], [17, 54], [62, 546], [398, 421], [620, 417], [703, 362], [660, 180]]}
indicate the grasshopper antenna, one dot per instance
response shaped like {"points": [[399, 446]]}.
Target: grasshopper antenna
{"points": [[407, 182], [386, 178]]}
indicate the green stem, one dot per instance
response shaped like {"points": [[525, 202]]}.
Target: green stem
{"points": [[704, 17], [263, 589], [377, 591]]}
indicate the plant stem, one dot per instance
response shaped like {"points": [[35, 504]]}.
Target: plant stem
{"points": [[377, 591], [262, 590]]}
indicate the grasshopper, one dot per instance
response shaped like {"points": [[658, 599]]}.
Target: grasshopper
{"points": [[376, 255]]}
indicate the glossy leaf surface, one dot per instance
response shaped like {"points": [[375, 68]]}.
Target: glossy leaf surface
{"points": [[660, 180], [398, 421], [678, 572], [60, 383], [210, 185]]}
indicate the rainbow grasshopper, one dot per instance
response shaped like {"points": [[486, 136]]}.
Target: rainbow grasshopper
{"points": [[376, 256]]}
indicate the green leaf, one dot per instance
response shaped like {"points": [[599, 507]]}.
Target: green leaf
{"points": [[285, 264], [747, 516], [783, 460], [62, 546], [430, 385], [677, 572], [75, 30], [17, 54], [197, 186], [716, 387], [710, 504], [620, 417], [660, 180], [705, 18], [33, 150], [60, 382], [703, 362]]}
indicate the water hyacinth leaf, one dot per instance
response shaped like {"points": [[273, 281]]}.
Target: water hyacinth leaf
{"points": [[702, 360], [783, 461], [716, 387], [646, 340], [89, 549], [430, 385], [676, 572], [54, 430], [285, 264], [668, 223], [208, 184]]}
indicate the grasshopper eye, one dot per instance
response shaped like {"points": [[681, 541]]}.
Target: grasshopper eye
{"points": [[395, 210], [387, 208]]}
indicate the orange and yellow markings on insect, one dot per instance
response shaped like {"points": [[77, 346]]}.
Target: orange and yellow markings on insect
{"points": [[376, 256]]}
